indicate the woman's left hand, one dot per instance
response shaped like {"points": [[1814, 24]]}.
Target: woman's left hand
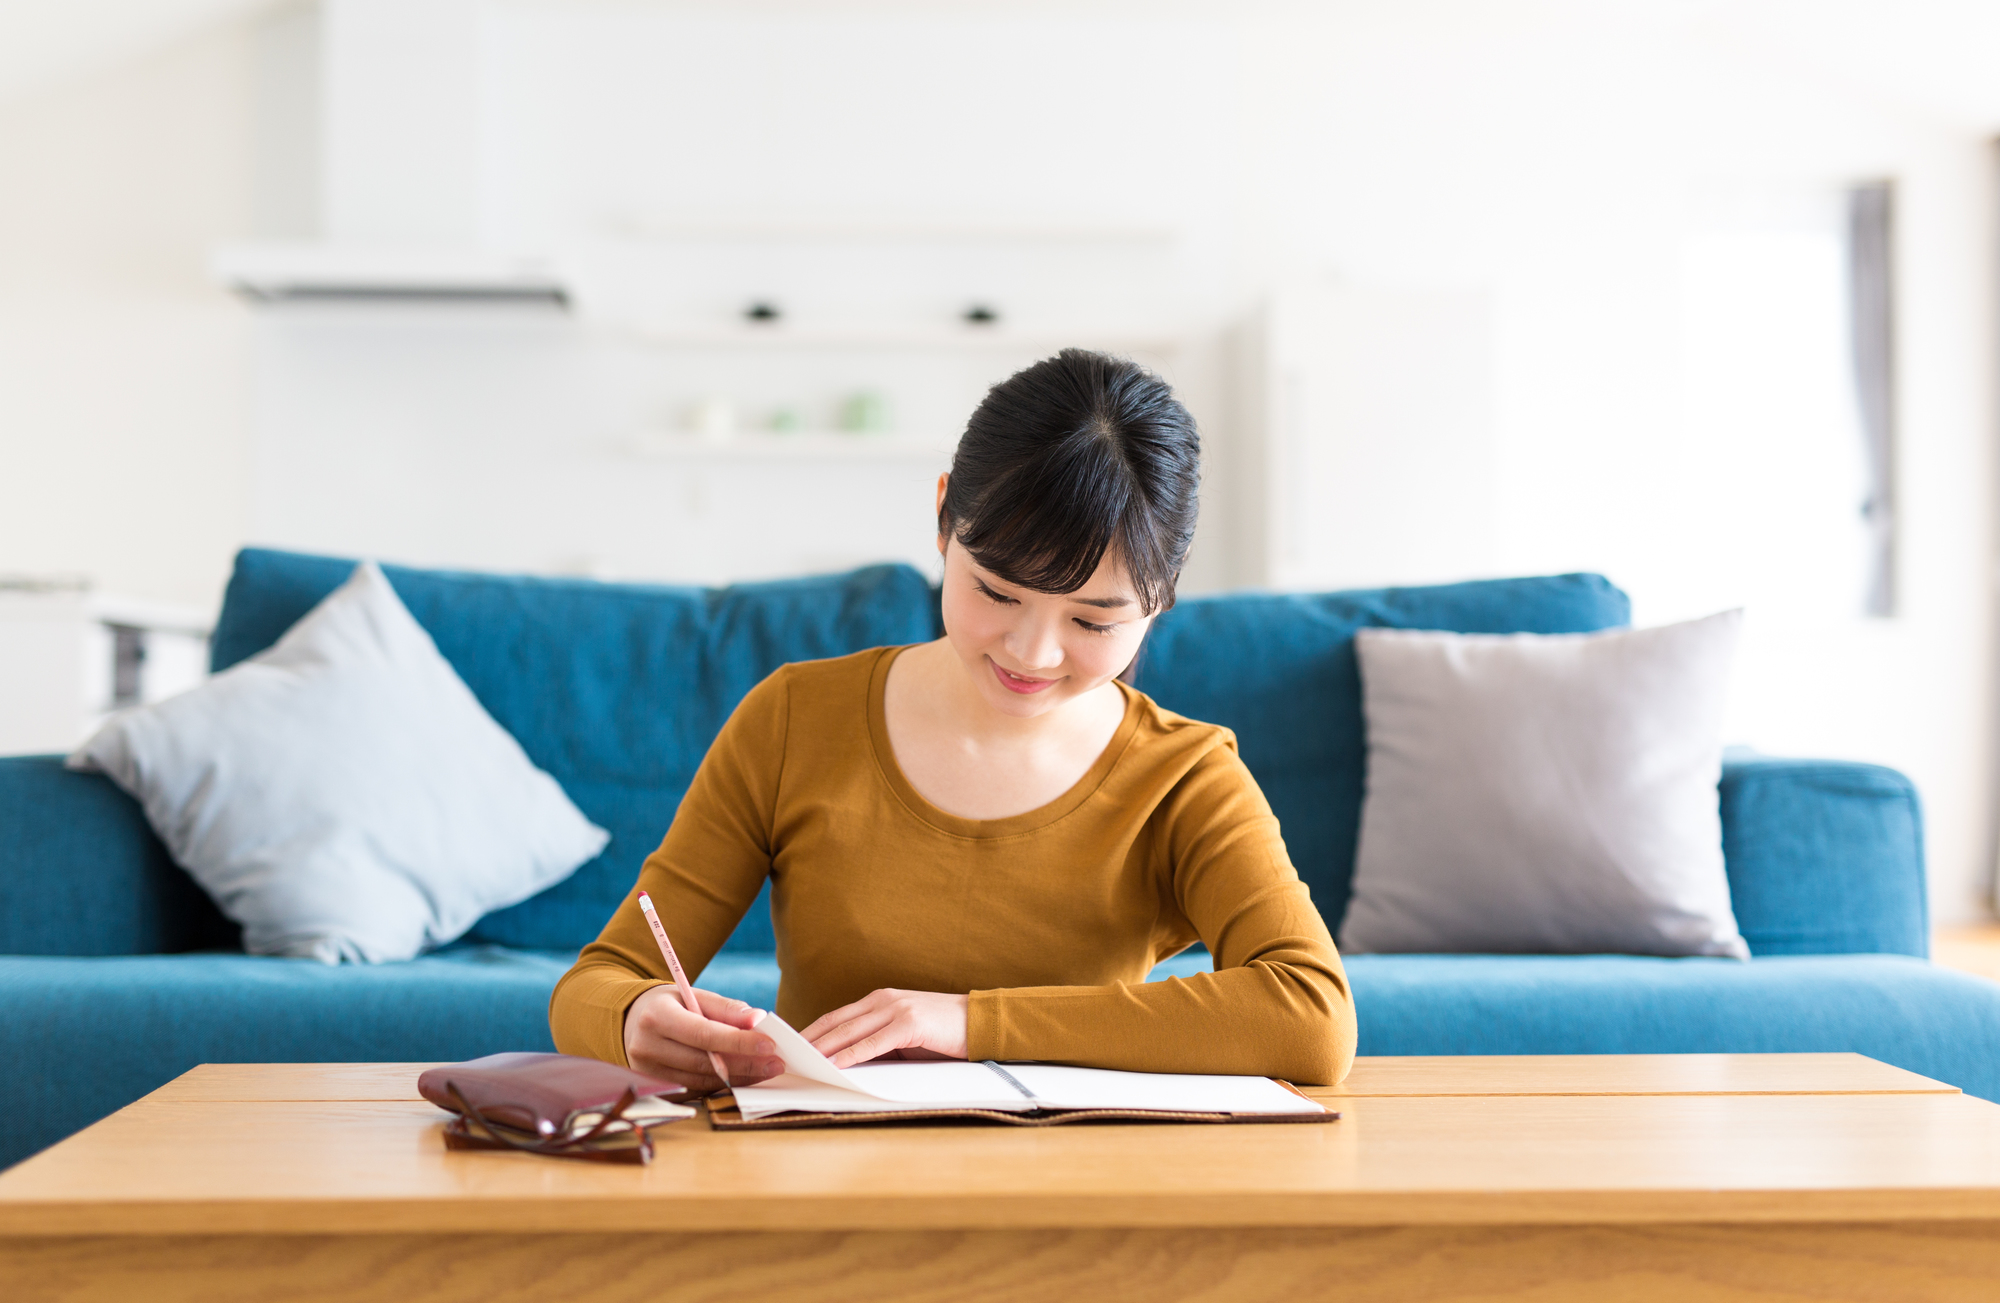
{"points": [[892, 1024]]}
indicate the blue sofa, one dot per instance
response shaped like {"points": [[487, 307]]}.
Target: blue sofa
{"points": [[116, 972]]}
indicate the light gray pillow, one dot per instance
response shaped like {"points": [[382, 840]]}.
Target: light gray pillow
{"points": [[1544, 793], [343, 795]]}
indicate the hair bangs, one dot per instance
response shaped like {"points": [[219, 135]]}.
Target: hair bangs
{"points": [[1047, 525], [1074, 458]]}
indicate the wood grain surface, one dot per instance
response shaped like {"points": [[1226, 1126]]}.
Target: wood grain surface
{"points": [[243, 1082], [1635, 1178], [1632, 1264], [378, 1166], [1559, 1074]]}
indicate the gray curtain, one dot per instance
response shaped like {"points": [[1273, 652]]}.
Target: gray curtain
{"points": [[1871, 212]]}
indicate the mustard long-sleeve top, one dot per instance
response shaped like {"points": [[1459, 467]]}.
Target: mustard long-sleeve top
{"points": [[1049, 920]]}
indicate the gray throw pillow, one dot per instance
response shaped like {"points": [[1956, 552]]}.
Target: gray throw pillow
{"points": [[1551, 794], [343, 795]]}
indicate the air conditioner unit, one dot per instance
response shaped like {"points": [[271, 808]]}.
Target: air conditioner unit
{"points": [[276, 272]]}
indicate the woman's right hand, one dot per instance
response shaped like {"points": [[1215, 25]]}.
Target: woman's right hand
{"points": [[662, 1039]]}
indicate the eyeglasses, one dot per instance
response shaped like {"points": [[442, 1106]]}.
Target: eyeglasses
{"points": [[614, 1138]]}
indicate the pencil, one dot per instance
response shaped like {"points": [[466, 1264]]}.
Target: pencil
{"points": [[680, 978]]}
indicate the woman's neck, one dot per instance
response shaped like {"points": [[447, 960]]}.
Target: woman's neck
{"points": [[975, 762]]}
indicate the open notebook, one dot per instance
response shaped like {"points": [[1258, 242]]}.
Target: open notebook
{"points": [[813, 1092]]}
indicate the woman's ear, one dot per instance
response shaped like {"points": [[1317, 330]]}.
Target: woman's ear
{"points": [[944, 481]]}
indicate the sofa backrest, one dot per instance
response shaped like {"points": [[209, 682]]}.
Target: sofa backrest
{"points": [[615, 689], [618, 690], [1280, 670]]}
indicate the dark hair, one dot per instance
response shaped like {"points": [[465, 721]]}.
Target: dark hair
{"points": [[1078, 454]]}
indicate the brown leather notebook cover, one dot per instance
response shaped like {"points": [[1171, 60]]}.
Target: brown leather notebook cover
{"points": [[723, 1115], [538, 1093]]}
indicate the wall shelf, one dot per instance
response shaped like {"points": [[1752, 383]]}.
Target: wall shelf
{"points": [[805, 445], [942, 338]]}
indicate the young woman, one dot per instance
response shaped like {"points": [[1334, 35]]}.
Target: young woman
{"points": [[979, 846]]}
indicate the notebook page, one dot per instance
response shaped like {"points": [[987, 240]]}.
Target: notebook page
{"points": [[787, 1093], [1059, 1087], [890, 1087], [811, 1082], [801, 1059], [941, 1085]]}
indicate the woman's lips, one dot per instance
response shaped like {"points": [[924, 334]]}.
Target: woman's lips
{"points": [[1020, 683]]}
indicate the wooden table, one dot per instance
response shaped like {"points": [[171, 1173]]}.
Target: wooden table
{"points": [[1825, 1176]]}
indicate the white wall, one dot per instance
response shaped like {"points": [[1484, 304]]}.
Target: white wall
{"points": [[1564, 163], [124, 378], [873, 174], [1551, 159], [517, 438]]}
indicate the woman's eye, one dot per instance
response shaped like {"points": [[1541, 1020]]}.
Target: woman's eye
{"points": [[1097, 628], [998, 597]]}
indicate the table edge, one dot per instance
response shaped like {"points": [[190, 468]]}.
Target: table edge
{"points": [[1018, 1212]]}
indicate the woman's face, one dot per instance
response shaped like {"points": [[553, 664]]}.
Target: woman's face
{"points": [[1029, 653]]}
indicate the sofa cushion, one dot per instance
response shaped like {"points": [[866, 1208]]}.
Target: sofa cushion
{"points": [[1544, 794], [1825, 857], [158, 1016], [342, 794], [615, 689], [81, 872], [1280, 670], [1935, 1021]]}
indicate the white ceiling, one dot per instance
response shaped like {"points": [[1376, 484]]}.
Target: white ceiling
{"points": [[1936, 58]]}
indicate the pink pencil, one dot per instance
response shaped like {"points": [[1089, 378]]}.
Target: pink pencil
{"points": [[680, 978]]}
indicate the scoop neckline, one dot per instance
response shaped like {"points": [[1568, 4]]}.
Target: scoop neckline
{"points": [[1014, 824]]}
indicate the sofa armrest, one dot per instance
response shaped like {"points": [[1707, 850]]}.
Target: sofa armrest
{"points": [[1825, 857], [81, 872]]}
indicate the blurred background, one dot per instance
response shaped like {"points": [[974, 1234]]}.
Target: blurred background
{"points": [[1697, 295]]}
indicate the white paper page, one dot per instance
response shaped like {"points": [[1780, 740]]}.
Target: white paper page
{"points": [[949, 1084], [787, 1093], [810, 1082], [892, 1087], [801, 1059], [1058, 1087]]}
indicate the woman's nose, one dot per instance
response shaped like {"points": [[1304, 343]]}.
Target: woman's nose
{"points": [[1038, 646]]}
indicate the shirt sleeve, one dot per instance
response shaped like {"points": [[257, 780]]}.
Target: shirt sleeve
{"points": [[1277, 1004], [703, 879]]}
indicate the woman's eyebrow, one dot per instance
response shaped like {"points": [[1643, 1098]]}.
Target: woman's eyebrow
{"points": [[1107, 603]]}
